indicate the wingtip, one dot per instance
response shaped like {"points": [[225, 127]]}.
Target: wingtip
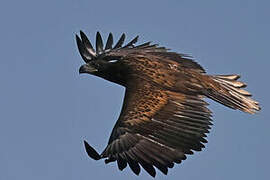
{"points": [[99, 43], [81, 32], [136, 38], [98, 35], [78, 39], [120, 41], [153, 174], [91, 151], [109, 42], [132, 42]]}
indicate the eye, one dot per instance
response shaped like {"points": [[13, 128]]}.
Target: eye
{"points": [[113, 61]]}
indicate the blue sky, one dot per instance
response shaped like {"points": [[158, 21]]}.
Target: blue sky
{"points": [[48, 109]]}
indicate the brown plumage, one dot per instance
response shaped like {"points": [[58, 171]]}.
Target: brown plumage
{"points": [[164, 116]]}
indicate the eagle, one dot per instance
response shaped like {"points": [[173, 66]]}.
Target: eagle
{"points": [[164, 116]]}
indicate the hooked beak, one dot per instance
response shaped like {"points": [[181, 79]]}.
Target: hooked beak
{"points": [[86, 68]]}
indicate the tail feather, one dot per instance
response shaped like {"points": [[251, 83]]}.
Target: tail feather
{"points": [[227, 90]]}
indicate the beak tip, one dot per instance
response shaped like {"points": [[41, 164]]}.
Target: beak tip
{"points": [[87, 69]]}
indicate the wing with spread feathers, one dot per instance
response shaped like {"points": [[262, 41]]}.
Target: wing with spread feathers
{"points": [[156, 128]]}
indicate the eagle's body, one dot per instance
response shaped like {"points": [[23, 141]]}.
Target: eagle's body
{"points": [[164, 115]]}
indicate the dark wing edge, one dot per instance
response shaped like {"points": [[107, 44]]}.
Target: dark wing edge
{"points": [[91, 151], [156, 129]]}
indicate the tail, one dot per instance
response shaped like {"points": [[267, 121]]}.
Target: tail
{"points": [[226, 90]]}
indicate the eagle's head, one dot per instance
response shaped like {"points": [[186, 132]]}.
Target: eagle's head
{"points": [[105, 62]]}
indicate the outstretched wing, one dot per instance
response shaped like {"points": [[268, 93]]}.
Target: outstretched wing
{"points": [[156, 128]]}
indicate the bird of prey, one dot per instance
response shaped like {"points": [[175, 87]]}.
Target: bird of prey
{"points": [[164, 116]]}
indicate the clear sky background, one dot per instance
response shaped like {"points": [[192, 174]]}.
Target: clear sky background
{"points": [[48, 109]]}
